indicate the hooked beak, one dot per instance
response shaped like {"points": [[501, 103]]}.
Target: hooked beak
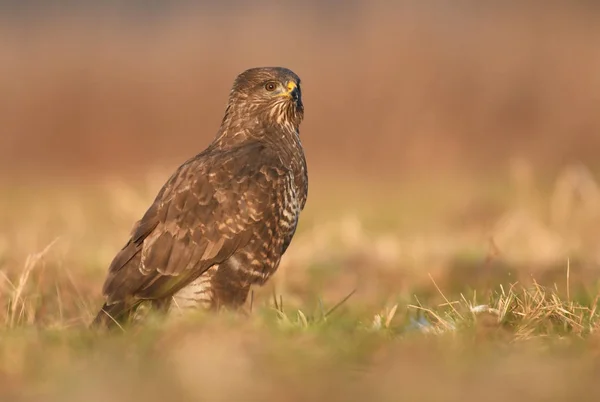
{"points": [[292, 91]]}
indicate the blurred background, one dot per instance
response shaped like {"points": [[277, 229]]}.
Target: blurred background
{"points": [[452, 147], [438, 135], [391, 88]]}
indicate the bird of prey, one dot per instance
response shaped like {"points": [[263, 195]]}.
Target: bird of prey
{"points": [[223, 220]]}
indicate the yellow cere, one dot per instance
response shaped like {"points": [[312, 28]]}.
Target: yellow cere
{"points": [[291, 85]]}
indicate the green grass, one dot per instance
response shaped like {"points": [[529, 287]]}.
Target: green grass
{"points": [[459, 307]]}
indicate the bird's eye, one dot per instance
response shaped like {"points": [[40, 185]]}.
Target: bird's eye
{"points": [[270, 86]]}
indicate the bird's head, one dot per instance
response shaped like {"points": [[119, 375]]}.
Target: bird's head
{"points": [[270, 94]]}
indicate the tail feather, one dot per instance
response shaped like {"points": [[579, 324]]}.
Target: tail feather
{"points": [[111, 315]]}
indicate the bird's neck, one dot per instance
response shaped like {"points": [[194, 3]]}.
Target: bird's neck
{"points": [[239, 128]]}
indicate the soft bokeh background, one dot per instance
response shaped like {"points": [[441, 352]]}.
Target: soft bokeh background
{"points": [[449, 141], [390, 89]]}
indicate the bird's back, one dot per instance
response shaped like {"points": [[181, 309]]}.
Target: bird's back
{"points": [[220, 224]]}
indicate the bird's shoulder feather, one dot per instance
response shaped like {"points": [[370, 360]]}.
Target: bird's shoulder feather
{"points": [[207, 210]]}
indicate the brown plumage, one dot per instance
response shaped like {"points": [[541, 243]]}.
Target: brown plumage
{"points": [[223, 220]]}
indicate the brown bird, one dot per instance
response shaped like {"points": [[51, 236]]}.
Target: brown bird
{"points": [[223, 220]]}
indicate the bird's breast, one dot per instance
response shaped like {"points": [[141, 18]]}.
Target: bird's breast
{"points": [[290, 206]]}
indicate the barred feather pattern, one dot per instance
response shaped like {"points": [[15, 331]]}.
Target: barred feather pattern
{"points": [[224, 219]]}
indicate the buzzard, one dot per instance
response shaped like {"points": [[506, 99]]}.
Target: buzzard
{"points": [[223, 220]]}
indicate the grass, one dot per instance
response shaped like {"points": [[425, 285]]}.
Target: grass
{"points": [[462, 288], [499, 306]]}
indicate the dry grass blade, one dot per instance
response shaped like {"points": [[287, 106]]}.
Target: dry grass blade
{"points": [[445, 298], [17, 303], [390, 315], [275, 301], [568, 279], [331, 310], [302, 319], [447, 326]]}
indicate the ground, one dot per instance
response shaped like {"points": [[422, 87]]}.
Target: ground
{"points": [[450, 246], [487, 292]]}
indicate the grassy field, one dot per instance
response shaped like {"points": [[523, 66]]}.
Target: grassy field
{"points": [[452, 151], [488, 292]]}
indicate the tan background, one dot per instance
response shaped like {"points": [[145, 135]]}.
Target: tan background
{"points": [[443, 143], [388, 89]]}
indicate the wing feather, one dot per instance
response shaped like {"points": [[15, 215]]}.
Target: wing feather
{"points": [[208, 209]]}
